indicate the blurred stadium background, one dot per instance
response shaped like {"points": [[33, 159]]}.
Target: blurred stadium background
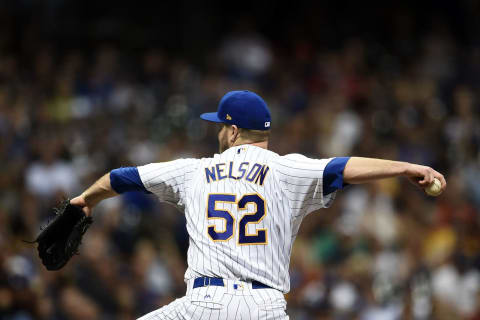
{"points": [[88, 86]]}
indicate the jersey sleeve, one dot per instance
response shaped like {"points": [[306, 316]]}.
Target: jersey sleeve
{"points": [[167, 179], [310, 184], [126, 179]]}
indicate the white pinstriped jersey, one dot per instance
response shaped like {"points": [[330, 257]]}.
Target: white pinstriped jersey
{"points": [[243, 209]]}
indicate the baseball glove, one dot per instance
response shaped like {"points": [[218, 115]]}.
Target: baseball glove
{"points": [[62, 236]]}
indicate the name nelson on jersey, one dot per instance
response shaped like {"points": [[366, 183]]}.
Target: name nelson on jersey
{"points": [[254, 174]]}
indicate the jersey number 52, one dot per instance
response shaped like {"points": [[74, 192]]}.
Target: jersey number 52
{"points": [[244, 238]]}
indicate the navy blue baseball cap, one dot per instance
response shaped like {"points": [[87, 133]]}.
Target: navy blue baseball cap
{"points": [[244, 109]]}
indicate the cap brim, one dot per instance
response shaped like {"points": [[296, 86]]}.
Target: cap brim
{"points": [[211, 116]]}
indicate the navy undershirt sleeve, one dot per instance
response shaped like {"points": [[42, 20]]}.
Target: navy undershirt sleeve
{"points": [[126, 179], [333, 175]]}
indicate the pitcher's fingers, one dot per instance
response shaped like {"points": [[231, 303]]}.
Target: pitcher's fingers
{"points": [[427, 178], [442, 180], [423, 181]]}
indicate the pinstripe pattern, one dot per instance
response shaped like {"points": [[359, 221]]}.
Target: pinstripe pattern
{"points": [[247, 304], [292, 189]]}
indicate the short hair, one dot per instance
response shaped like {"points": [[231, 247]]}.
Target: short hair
{"points": [[254, 135]]}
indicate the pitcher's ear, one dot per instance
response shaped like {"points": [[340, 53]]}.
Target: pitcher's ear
{"points": [[234, 134]]}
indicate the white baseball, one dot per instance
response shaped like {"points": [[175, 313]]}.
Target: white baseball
{"points": [[435, 188]]}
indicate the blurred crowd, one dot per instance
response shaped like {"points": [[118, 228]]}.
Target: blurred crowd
{"points": [[383, 251]]}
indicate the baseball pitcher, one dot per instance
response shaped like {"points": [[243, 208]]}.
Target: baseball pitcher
{"points": [[243, 209]]}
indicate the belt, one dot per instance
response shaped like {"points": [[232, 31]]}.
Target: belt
{"points": [[208, 281]]}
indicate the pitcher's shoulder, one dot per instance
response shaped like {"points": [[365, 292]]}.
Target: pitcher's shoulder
{"points": [[290, 158]]}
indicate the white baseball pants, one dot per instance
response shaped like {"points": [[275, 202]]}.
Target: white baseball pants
{"points": [[236, 300]]}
